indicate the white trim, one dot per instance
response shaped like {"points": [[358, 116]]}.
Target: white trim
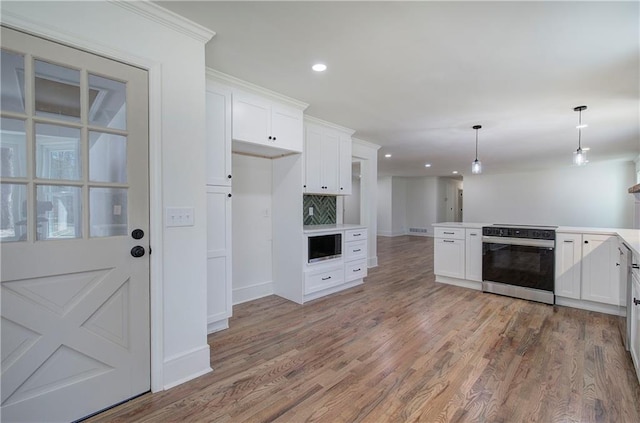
{"points": [[366, 144], [332, 290], [372, 262], [463, 283], [591, 306], [311, 119], [217, 326], [252, 292], [220, 77], [165, 17], [182, 364]]}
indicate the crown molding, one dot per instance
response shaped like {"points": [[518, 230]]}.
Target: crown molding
{"points": [[159, 14], [311, 119], [221, 77], [365, 143]]}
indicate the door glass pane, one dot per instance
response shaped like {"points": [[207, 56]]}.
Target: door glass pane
{"points": [[13, 212], [12, 80], [107, 157], [58, 152], [57, 91], [107, 102], [58, 212], [108, 211], [13, 148]]}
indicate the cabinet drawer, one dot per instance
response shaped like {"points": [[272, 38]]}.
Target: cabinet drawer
{"points": [[450, 233], [355, 270], [355, 250], [317, 281], [355, 235]]}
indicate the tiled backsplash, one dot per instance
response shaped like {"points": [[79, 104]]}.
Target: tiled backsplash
{"points": [[324, 210]]}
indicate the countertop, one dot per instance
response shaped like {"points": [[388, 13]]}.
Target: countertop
{"points": [[631, 237], [310, 229], [461, 224]]}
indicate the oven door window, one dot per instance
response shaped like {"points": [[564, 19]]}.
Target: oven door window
{"points": [[526, 266]]}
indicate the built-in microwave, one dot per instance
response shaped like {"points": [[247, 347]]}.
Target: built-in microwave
{"points": [[324, 247]]}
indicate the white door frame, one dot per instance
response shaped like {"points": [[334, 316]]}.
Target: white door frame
{"points": [[154, 70]]}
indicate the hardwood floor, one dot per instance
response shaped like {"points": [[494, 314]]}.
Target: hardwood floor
{"points": [[402, 348]]}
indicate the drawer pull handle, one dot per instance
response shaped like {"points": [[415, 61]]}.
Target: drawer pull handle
{"points": [[449, 233], [636, 302], [357, 270], [473, 234], [356, 251], [357, 234], [446, 240], [569, 241], [327, 278]]}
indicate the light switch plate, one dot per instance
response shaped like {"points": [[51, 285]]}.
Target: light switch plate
{"points": [[179, 216]]}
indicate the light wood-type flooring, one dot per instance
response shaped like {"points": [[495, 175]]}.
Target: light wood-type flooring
{"points": [[403, 348]]}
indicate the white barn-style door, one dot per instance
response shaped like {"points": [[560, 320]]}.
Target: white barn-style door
{"points": [[74, 231]]}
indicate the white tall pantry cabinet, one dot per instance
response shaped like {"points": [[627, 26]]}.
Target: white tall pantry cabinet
{"points": [[219, 301]]}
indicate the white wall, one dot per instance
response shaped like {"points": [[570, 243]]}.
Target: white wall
{"points": [[251, 229], [422, 204], [351, 203], [174, 56], [384, 206], [594, 195], [398, 206]]}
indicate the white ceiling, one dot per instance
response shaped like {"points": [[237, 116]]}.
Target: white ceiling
{"points": [[414, 77]]}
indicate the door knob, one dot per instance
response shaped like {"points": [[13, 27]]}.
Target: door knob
{"points": [[137, 251], [137, 234]]}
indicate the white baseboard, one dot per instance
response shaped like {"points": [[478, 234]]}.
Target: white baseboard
{"points": [[183, 367], [391, 234], [332, 290], [253, 292], [218, 325], [372, 262], [464, 283], [591, 306], [421, 234]]}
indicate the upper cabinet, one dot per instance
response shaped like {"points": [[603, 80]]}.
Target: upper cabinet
{"points": [[218, 109], [327, 154], [261, 122]]}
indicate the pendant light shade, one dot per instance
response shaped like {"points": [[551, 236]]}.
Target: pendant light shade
{"points": [[580, 156], [476, 166]]}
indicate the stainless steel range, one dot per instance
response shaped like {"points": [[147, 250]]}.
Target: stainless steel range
{"points": [[519, 261]]}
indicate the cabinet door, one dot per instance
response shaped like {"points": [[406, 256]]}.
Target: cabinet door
{"points": [[599, 270], [473, 255], [313, 159], [219, 299], [568, 273], [345, 165], [251, 119], [330, 162], [449, 258], [287, 128], [634, 342], [218, 135]]}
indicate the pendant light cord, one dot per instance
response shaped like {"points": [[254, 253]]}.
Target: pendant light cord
{"points": [[476, 144], [580, 130]]}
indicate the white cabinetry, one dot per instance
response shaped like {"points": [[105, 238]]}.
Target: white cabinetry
{"points": [[449, 252], [473, 254], [355, 254], [634, 315], [218, 106], [327, 153], [258, 120], [568, 272], [600, 281], [587, 272], [219, 302], [218, 110]]}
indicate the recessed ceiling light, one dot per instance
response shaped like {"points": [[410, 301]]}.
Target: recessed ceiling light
{"points": [[455, 172], [387, 155], [319, 67], [427, 165]]}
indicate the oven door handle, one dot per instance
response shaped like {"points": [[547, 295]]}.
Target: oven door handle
{"points": [[544, 243]]}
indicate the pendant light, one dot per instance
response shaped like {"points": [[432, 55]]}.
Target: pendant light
{"points": [[476, 166], [580, 156]]}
